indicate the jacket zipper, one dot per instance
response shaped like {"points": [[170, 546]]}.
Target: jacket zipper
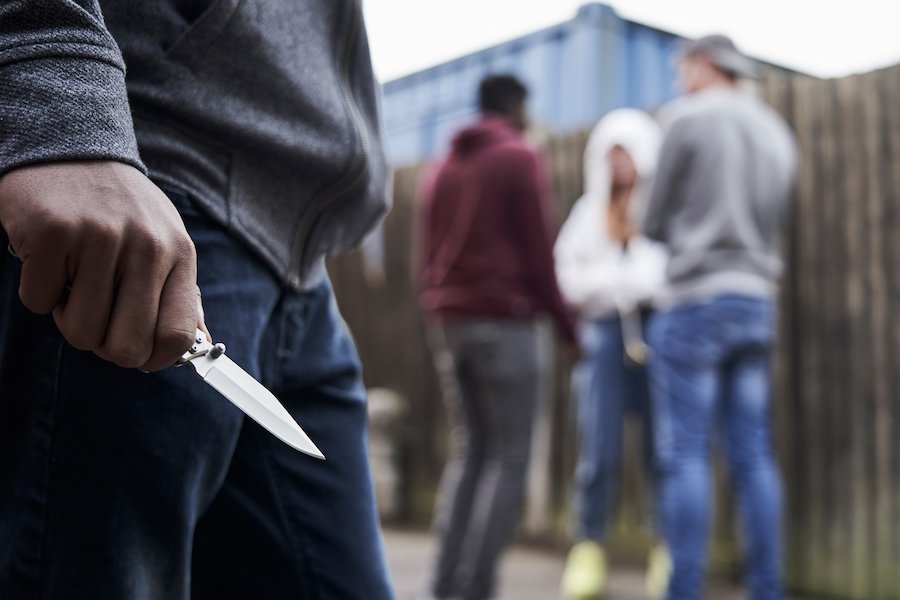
{"points": [[349, 181]]}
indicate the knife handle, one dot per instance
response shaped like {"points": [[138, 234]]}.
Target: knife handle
{"points": [[201, 347]]}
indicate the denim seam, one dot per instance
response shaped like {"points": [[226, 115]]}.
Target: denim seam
{"points": [[281, 351]]}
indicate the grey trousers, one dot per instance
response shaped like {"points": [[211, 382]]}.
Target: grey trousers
{"points": [[490, 377]]}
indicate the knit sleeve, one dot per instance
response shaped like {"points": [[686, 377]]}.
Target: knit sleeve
{"points": [[62, 86], [674, 157], [534, 207]]}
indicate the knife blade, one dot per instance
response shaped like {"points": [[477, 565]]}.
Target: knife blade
{"points": [[257, 402]]}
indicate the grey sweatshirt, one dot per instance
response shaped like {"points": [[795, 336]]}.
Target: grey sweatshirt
{"points": [[265, 111], [719, 200]]}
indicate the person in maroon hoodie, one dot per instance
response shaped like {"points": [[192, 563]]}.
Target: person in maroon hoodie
{"points": [[486, 274]]}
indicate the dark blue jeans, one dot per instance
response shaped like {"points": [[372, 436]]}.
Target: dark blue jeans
{"points": [[115, 484], [710, 365], [605, 389]]}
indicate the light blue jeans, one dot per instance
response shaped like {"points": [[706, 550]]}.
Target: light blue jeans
{"points": [[710, 366], [605, 389]]}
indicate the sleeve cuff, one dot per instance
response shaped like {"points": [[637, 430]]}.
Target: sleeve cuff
{"points": [[54, 109]]}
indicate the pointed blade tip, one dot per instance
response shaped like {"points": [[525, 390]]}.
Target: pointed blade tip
{"points": [[307, 447], [315, 453]]}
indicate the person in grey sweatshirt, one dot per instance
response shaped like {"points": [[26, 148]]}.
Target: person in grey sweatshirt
{"points": [[241, 149], [718, 203]]}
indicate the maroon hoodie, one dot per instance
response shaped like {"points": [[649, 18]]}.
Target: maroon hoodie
{"points": [[484, 231]]}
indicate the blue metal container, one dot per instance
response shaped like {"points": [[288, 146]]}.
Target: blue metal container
{"points": [[576, 72]]}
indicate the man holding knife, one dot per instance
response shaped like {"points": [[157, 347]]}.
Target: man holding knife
{"points": [[242, 148]]}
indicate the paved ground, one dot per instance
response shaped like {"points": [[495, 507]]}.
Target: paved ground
{"points": [[526, 575]]}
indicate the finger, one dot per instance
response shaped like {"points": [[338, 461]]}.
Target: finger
{"points": [[42, 285], [132, 324], [179, 316], [84, 316]]}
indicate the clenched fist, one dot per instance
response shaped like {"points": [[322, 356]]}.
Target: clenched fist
{"points": [[104, 250]]}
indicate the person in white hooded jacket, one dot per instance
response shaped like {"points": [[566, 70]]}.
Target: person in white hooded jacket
{"points": [[611, 274]]}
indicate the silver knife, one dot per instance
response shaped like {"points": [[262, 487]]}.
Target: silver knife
{"points": [[246, 393]]}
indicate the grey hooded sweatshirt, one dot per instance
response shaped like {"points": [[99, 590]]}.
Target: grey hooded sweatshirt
{"points": [[265, 111], [720, 197]]}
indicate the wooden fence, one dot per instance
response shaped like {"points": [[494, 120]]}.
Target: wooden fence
{"points": [[837, 372]]}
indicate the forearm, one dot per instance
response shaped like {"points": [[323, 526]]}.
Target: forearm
{"points": [[563, 317], [538, 248]]}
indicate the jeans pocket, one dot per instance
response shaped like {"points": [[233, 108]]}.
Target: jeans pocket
{"points": [[683, 335]]}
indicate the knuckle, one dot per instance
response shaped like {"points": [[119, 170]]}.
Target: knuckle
{"points": [[143, 239], [47, 223], [184, 249], [47, 226], [161, 244], [152, 247]]}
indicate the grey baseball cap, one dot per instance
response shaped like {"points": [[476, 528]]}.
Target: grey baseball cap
{"points": [[722, 52]]}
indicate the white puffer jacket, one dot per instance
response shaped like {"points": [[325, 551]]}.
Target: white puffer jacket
{"points": [[595, 273]]}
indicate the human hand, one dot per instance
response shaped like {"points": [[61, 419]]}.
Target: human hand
{"points": [[106, 252]]}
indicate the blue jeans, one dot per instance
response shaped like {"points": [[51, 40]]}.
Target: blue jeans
{"points": [[117, 484], [710, 364], [605, 389]]}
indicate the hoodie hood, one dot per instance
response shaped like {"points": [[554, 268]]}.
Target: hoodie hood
{"points": [[634, 130], [596, 274], [489, 131]]}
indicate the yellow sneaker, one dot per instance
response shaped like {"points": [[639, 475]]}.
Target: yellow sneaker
{"points": [[659, 571], [585, 575]]}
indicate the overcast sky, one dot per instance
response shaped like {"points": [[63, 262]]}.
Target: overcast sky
{"points": [[825, 37]]}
